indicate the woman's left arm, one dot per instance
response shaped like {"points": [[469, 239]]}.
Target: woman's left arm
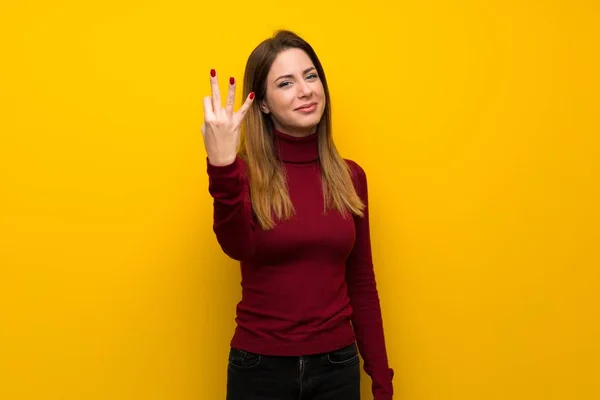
{"points": [[364, 298]]}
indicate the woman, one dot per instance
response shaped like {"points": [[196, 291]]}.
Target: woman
{"points": [[295, 214]]}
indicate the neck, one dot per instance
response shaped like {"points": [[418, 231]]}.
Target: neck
{"points": [[296, 149]]}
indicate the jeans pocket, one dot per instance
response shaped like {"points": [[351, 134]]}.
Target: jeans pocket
{"points": [[345, 355], [242, 360]]}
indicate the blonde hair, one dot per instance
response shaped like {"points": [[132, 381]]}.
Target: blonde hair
{"points": [[268, 185]]}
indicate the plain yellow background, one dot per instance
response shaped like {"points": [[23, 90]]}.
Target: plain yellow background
{"points": [[477, 124]]}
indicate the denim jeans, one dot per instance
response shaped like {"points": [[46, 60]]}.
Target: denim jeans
{"points": [[327, 376]]}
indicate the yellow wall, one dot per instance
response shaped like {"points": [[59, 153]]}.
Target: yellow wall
{"points": [[477, 123]]}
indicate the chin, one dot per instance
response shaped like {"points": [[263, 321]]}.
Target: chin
{"points": [[308, 124], [304, 122], [310, 119]]}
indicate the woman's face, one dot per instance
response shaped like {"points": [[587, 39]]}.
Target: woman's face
{"points": [[295, 96]]}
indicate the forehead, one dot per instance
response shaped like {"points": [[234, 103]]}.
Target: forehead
{"points": [[290, 61]]}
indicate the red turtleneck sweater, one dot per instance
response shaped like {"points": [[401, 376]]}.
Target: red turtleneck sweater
{"points": [[308, 285]]}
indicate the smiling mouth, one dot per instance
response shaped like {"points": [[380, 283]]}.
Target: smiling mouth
{"points": [[306, 107]]}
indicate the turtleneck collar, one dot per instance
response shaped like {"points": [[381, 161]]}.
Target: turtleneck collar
{"points": [[296, 149]]}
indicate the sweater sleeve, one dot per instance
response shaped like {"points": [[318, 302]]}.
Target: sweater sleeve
{"points": [[362, 289], [233, 223]]}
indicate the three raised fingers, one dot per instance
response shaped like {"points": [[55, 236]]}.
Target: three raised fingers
{"points": [[213, 103]]}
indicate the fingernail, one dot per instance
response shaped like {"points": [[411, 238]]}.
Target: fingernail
{"points": [[231, 80], [251, 95], [213, 73]]}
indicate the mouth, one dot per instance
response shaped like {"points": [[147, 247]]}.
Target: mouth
{"points": [[307, 107]]}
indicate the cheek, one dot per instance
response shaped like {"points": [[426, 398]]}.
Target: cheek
{"points": [[282, 101], [321, 92]]}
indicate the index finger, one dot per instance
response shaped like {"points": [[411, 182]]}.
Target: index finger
{"points": [[246, 106]]}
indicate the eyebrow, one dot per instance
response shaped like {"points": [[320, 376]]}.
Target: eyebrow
{"points": [[291, 76]]}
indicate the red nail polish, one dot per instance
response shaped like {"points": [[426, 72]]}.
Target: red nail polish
{"points": [[251, 95], [231, 80], [213, 73]]}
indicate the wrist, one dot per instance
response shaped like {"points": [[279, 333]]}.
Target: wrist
{"points": [[221, 161]]}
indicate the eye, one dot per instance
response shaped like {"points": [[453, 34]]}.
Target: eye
{"points": [[311, 76]]}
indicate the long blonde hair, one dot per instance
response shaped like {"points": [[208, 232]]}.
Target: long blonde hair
{"points": [[268, 185]]}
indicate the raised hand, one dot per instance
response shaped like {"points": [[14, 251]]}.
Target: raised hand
{"points": [[221, 127]]}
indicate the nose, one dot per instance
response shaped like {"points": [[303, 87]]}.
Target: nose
{"points": [[304, 89]]}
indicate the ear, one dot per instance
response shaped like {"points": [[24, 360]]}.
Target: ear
{"points": [[264, 108]]}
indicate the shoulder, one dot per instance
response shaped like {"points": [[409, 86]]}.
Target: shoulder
{"points": [[356, 170], [358, 175]]}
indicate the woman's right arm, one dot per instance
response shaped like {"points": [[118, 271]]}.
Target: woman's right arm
{"points": [[228, 185], [233, 223]]}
